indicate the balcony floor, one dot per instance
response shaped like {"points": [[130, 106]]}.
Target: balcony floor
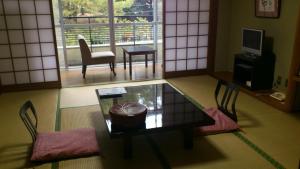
{"points": [[102, 74]]}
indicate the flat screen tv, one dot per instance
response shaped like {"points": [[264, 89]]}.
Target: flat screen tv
{"points": [[252, 41]]}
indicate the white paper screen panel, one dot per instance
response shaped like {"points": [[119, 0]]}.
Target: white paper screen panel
{"points": [[3, 35], [22, 77], [18, 50], [29, 22], [186, 34], [13, 22], [27, 43], [5, 53], [2, 23], [7, 78], [37, 76], [27, 7]]}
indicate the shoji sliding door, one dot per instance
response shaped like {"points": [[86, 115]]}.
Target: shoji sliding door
{"points": [[187, 29], [28, 57]]}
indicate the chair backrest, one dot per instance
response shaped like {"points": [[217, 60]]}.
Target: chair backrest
{"points": [[26, 118], [230, 95], [84, 49]]}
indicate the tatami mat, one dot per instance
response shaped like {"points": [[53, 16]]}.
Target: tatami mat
{"points": [[90, 116], [15, 140], [273, 131], [224, 151], [220, 151], [84, 96]]}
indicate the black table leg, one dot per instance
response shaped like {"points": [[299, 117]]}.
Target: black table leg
{"points": [[153, 62], [124, 59], [146, 60], [130, 65], [188, 138], [127, 143]]}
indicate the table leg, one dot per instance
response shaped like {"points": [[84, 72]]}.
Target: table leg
{"points": [[127, 143], [124, 59], [188, 138], [130, 65], [146, 60], [153, 62]]}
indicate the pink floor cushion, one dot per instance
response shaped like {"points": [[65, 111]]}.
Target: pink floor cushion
{"points": [[222, 123], [65, 145]]}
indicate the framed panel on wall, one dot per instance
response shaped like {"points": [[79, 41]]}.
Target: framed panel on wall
{"points": [[28, 56], [188, 35]]}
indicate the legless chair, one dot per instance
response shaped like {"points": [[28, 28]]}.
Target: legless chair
{"points": [[230, 90], [93, 58], [54, 146], [225, 119]]}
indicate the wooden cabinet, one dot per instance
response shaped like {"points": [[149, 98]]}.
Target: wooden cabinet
{"points": [[254, 72]]}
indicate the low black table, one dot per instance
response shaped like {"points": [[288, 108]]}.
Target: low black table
{"points": [[138, 50], [167, 110]]}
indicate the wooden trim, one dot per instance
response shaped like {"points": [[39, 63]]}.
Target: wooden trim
{"points": [[187, 33], [198, 19], [185, 73], [32, 86], [39, 36], [164, 37], [261, 14], [55, 42], [8, 41], [23, 57], [294, 69], [1, 90], [24, 40], [176, 30], [264, 97], [213, 19]]}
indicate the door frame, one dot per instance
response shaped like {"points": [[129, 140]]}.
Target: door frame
{"points": [[111, 24]]}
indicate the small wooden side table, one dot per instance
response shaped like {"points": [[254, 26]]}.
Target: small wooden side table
{"points": [[138, 50]]}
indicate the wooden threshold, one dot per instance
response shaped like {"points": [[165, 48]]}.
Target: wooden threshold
{"points": [[33, 86], [262, 95]]}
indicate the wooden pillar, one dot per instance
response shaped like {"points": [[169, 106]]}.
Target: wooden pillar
{"points": [[294, 70]]}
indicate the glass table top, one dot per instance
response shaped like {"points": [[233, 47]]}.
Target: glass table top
{"points": [[166, 109]]}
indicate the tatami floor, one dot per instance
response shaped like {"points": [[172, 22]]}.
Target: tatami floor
{"points": [[270, 138], [96, 75]]}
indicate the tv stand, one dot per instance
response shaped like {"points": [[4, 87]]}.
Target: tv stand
{"points": [[251, 55], [253, 71]]}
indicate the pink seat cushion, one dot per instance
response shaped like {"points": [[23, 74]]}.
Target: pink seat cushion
{"points": [[64, 145], [222, 123]]}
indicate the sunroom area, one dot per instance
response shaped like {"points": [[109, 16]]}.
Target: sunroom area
{"points": [[108, 27]]}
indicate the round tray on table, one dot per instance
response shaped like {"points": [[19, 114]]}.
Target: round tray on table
{"points": [[128, 115]]}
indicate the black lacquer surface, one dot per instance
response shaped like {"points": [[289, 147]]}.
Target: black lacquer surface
{"points": [[167, 109]]}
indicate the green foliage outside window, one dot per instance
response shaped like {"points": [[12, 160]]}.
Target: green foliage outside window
{"points": [[94, 7], [96, 11]]}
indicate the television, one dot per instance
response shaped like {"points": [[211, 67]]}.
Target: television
{"points": [[252, 41]]}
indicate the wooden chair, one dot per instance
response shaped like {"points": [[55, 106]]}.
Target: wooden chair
{"points": [[58, 145], [29, 123], [93, 58], [230, 95], [225, 119]]}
